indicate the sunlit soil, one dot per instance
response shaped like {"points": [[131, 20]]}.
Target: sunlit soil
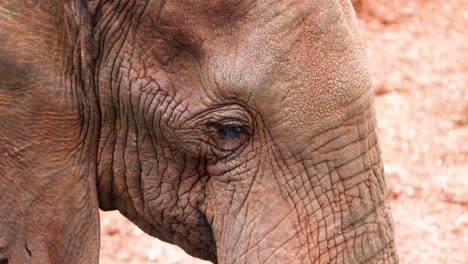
{"points": [[418, 52]]}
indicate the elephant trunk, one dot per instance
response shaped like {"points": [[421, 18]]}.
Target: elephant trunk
{"points": [[309, 223]]}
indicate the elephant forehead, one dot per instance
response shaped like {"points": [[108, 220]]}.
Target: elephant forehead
{"points": [[218, 10], [318, 60], [250, 57], [198, 23]]}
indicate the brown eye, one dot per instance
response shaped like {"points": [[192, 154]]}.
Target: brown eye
{"points": [[229, 137], [231, 131]]}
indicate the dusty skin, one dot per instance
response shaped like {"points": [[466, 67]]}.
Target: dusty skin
{"points": [[242, 131], [419, 59]]}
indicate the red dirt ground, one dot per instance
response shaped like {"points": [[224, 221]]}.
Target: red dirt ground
{"points": [[418, 51]]}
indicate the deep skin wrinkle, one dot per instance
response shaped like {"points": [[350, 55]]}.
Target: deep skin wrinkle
{"points": [[242, 131]]}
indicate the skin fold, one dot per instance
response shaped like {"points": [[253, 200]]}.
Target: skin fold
{"points": [[243, 131]]}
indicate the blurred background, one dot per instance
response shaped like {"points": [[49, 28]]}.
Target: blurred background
{"points": [[418, 52]]}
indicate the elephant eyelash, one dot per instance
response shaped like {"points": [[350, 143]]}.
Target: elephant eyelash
{"points": [[230, 130], [228, 136]]}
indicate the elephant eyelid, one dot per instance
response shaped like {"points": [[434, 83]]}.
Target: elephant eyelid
{"points": [[230, 130], [228, 135]]}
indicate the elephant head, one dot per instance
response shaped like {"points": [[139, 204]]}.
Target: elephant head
{"points": [[243, 131]]}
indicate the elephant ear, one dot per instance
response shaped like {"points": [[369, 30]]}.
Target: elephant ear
{"points": [[48, 134]]}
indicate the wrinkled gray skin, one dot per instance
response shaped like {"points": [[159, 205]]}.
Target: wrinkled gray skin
{"points": [[241, 130]]}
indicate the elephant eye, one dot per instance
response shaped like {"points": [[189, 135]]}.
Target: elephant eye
{"points": [[230, 136], [231, 131]]}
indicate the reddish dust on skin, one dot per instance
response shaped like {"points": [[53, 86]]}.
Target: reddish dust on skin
{"points": [[418, 51]]}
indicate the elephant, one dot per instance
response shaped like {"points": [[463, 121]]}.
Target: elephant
{"points": [[243, 131]]}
